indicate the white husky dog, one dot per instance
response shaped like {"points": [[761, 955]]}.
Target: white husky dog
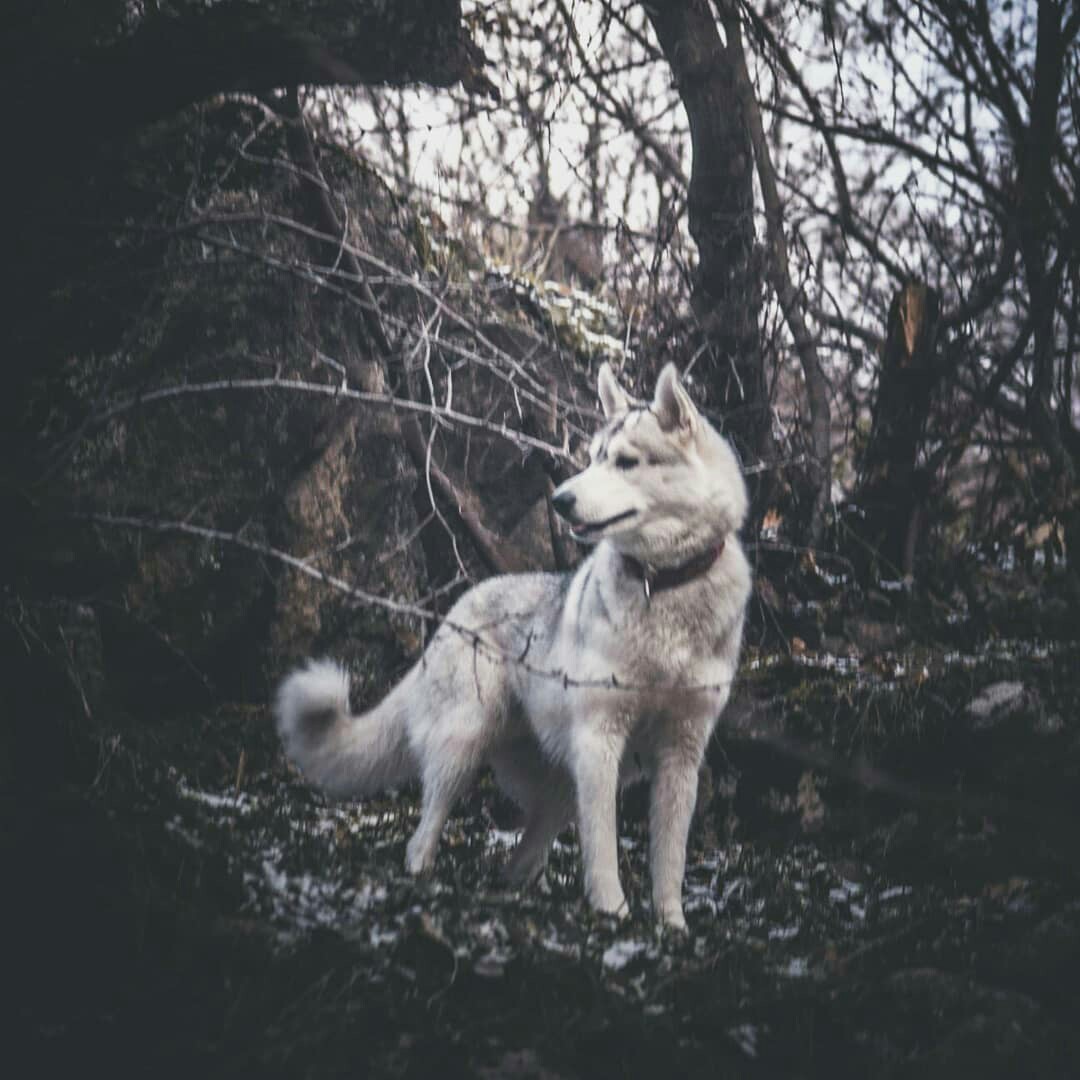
{"points": [[568, 684]]}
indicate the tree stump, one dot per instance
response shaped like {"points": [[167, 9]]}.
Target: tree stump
{"points": [[894, 482]]}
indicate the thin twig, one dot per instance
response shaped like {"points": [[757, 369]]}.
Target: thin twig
{"points": [[341, 391], [475, 637]]}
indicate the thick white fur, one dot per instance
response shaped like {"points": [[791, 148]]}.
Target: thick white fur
{"points": [[344, 757], [568, 685]]}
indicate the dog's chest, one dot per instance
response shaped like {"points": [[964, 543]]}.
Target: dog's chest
{"points": [[657, 641], [609, 628]]}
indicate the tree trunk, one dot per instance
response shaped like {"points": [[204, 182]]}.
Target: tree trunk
{"points": [[727, 284], [1050, 410]]}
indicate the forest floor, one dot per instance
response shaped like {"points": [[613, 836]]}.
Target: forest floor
{"points": [[883, 881]]}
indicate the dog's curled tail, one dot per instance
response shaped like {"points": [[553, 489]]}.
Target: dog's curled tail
{"points": [[343, 754]]}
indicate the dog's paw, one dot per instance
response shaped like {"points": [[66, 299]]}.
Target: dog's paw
{"points": [[418, 860], [613, 904], [671, 917]]}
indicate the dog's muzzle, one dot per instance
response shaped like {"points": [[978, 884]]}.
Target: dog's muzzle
{"points": [[563, 501], [565, 504]]}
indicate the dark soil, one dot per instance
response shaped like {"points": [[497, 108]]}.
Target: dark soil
{"points": [[878, 886]]}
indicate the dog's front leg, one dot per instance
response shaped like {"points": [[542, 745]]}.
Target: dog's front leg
{"points": [[674, 793], [595, 765]]}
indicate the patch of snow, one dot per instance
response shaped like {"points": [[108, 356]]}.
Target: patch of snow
{"points": [[553, 944], [892, 585], [735, 885], [237, 801], [381, 935], [492, 965], [500, 839], [894, 892], [783, 933], [796, 968], [745, 1037], [701, 898], [618, 955], [176, 826], [996, 699]]}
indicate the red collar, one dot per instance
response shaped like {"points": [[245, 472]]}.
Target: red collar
{"points": [[669, 578]]}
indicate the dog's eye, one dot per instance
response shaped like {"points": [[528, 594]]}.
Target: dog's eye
{"points": [[625, 461]]}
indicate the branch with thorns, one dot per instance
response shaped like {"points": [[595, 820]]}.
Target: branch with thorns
{"points": [[476, 639]]}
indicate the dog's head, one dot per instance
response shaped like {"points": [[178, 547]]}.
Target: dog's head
{"points": [[661, 484]]}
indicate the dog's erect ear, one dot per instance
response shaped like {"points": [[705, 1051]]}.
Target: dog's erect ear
{"points": [[672, 404], [613, 398]]}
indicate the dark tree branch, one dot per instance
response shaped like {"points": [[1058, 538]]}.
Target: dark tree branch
{"points": [[720, 203], [779, 274], [168, 62], [606, 100], [846, 214]]}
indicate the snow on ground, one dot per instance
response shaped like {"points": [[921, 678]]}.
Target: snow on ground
{"points": [[307, 866]]}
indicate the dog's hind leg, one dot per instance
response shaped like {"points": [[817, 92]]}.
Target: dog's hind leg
{"points": [[449, 766], [543, 823], [545, 793]]}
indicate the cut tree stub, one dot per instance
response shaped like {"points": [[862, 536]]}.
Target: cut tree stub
{"points": [[893, 488]]}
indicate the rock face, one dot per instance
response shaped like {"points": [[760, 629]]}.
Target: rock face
{"points": [[192, 617], [210, 290]]}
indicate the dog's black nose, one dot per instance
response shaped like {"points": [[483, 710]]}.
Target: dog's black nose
{"points": [[563, 501]]}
